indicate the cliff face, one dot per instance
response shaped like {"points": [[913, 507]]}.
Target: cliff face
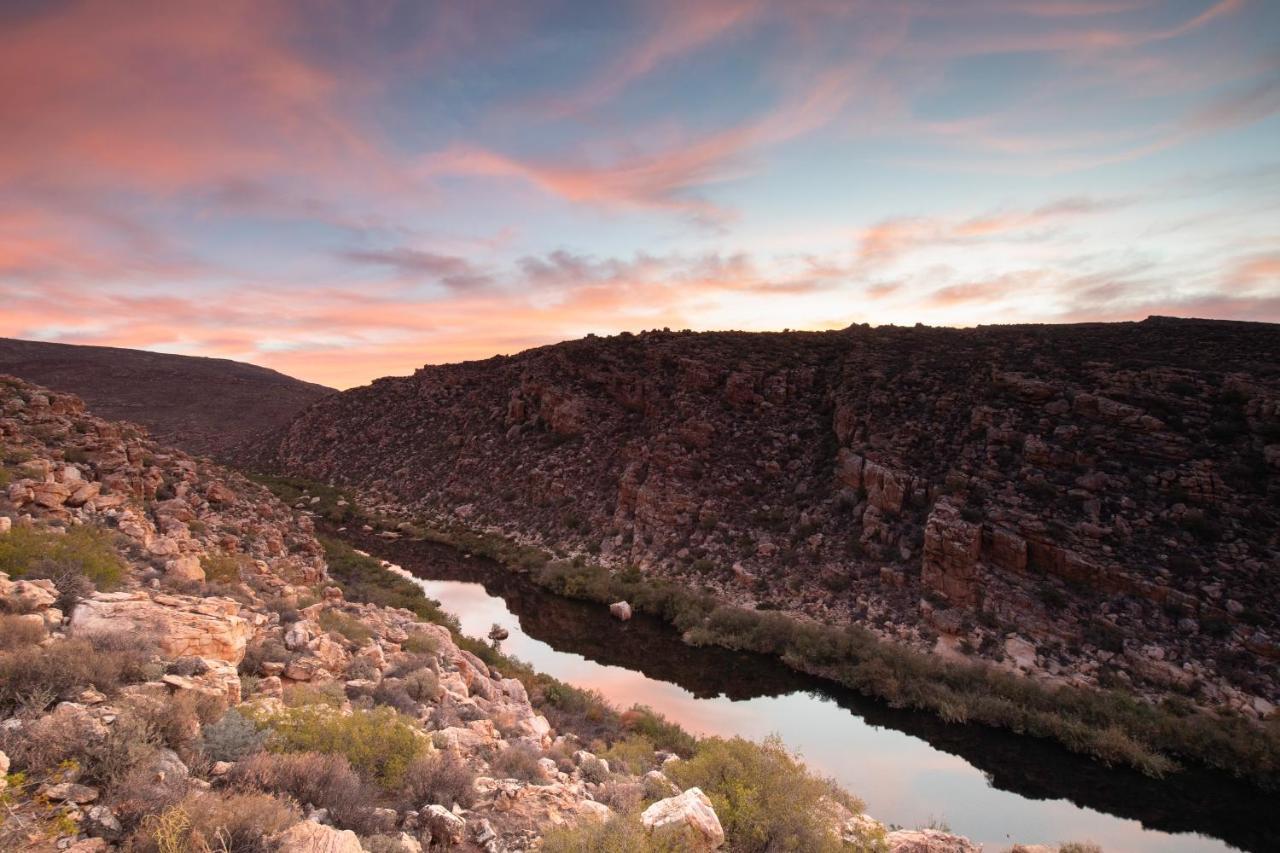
{"points": [[208, 406], [1097, 503]]}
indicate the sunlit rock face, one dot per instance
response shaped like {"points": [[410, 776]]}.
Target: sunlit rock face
{"points": [[1108, 492]]}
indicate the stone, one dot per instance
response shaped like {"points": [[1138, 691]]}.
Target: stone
{"points": [[4, 770], [445, 826], [70, 792], [620, 610], [185, 568], [101, 822], [311, 837], [687, 819], [23, 596], [951, 550], [180, 625], [928, 841]]}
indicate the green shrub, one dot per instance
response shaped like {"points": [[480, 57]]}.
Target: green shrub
{"points": [[765, 798], [347, 626], [421, 643], [379, 743], [86, 551], [301, 694], [619, 834], [633, 754], [364, 579]]}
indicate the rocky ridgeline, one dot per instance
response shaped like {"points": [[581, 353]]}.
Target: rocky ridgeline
{"points": [[267, 640], [1093, 504]]}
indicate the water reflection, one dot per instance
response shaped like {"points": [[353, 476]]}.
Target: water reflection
{"points": [[910, 767]]}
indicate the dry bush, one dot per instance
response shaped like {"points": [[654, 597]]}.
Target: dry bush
{"points": [[63, 668], [323, 781], [18, 632], [518, 761], [141, 792], [177, 720], [439, 779], [45, 742], [226, 823], [403, 664], [258, 652], [347, 626], [622, 796]]}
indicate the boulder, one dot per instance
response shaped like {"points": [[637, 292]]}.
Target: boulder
{"points": [[179, 625], [687, 820], [620, 610], [26, 596], [311, 837], [445, 826], [185, 568], [928, 841]]}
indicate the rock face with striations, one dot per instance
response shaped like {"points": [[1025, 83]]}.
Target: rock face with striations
{"points": [[1109, 491]]}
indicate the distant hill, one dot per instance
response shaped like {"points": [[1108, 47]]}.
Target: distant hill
{"points": [[209, 406]]}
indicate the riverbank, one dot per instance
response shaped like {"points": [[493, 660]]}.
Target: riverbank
{"points": [[1108, 725]]}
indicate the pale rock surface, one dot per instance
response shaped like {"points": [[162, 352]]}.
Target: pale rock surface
{"points": [[311, 837], [687, 818], [181, 625]]}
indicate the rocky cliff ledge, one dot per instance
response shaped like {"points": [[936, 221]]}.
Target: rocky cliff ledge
{"points": [[1095, 505]]}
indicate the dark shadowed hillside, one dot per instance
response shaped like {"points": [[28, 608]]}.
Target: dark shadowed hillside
{"points": [[1091, 504], [202, 405]]}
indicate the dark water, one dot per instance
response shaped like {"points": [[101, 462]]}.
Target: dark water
{"points": [[909, 767]]}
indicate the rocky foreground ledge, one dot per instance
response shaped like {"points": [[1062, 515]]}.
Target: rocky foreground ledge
{"points": [[180, 669]]}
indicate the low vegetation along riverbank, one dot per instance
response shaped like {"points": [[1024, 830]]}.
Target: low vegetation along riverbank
{"points": [[1109, 725]]}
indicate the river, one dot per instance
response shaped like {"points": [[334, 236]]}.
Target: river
{"points": [[910, 768]]}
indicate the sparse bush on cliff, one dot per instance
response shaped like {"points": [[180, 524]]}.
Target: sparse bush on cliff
{"points": [[232, 822], [621, 833], [518, 761], [765, 798], [439, 779], [84, 552], [379, 743], [62, 669], [325, 781], [231, 738]]}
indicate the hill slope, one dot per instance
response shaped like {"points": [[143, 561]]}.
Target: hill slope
{"points": [[1096, 504], [206, 406]]}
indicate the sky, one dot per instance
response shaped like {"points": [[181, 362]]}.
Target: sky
{"points": [[347, 190]]}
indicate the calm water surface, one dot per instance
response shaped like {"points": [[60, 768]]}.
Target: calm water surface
{"points": [[909, 767]]}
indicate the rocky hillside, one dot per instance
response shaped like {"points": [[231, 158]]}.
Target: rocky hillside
{"points": [[184, 666], [1093, 504], [206, 406]]}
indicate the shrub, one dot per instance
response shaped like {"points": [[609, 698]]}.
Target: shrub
{"points": [[323, 781], [518, 761], [619, 834], [329, 693], [232, 738], [364, 579], [594, 770], [439, 779], [85, 550], [765, 798], [347, 626], [379, 743], [1079, 847], [262, 651], [66, 667], [633, 754], [421, 643], [18, 632], [228, 823], [221, 568]]}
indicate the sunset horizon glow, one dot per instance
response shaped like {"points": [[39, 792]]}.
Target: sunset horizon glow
{"points": [[342, 191]]}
